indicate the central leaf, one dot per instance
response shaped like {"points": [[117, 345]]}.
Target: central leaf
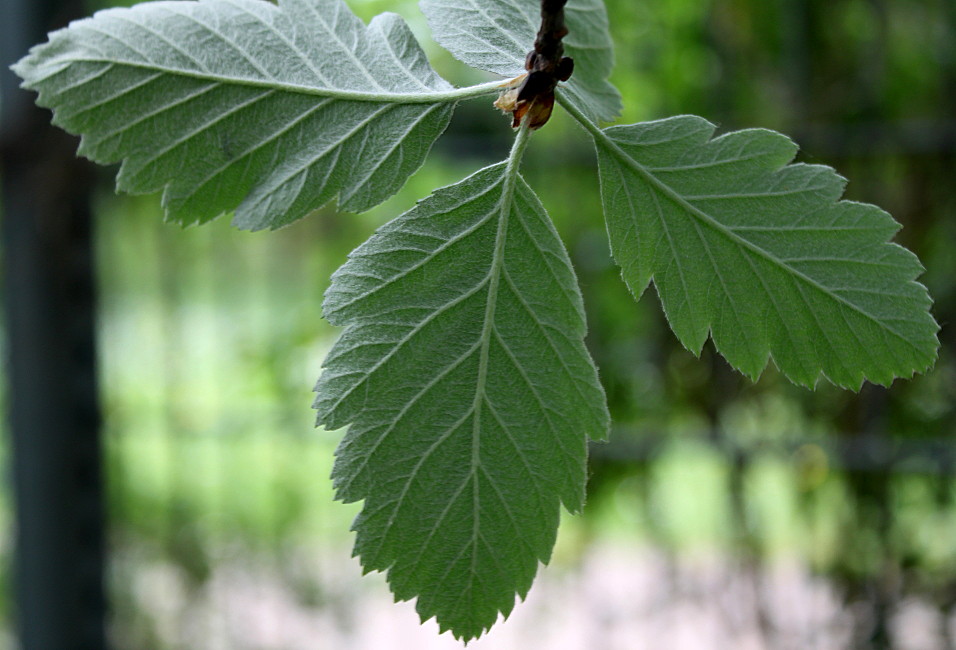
{"points": [[470, 394]]}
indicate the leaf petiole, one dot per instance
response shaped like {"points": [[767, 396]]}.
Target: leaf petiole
{"points": [[505, 206], [579, 116]]}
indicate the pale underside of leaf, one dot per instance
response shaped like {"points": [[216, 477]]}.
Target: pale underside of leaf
{"points": [[496, 35], [762, 255], [470, 395], [244, 105]]}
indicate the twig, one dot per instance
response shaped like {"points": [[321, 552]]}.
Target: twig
{"points": [[546, 66]]}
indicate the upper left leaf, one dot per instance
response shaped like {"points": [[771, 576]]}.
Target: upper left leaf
{"points": [[243, 105]]}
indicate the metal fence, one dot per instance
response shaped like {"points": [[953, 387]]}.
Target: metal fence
{"points": [[721, 515]]}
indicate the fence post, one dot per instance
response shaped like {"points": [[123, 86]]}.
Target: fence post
{"points": [[54, 418]]}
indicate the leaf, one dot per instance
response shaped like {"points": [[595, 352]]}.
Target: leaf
{"points": [[496, 35], [470, 396], [243, 105], [761, 254]]}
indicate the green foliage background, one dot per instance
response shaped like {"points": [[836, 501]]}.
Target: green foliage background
{"points": [[211, 337]]}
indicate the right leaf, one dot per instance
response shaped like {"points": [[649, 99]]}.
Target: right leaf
{"points": [[762, 255]]}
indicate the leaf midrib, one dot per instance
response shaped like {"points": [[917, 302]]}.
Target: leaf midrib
{"points": [[497, 264], [435, 97]]}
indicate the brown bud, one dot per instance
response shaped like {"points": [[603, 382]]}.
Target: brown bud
{"points": [[538, 111], [565, 68]]}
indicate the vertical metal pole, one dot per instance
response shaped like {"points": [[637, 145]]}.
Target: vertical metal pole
{"points": [[48, 292]]}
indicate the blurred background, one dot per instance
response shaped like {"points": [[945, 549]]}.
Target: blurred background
{"points": [[722, 514]]}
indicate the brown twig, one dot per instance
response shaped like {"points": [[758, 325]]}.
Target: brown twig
{"points": [[546, 66]]}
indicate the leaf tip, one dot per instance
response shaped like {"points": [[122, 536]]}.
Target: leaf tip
{"points": [[20, 69]]}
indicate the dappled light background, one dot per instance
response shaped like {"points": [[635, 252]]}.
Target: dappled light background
{"points": [[722, 514]]}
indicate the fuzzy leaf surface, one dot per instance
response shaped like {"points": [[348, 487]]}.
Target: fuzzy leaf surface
{"points": [[244, 105], [496, 35], [761, 254], [470, 394]]}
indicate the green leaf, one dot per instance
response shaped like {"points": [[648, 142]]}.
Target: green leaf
{"points": [[496, 35], [470, 396], [243, 105], [762, 255]]}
